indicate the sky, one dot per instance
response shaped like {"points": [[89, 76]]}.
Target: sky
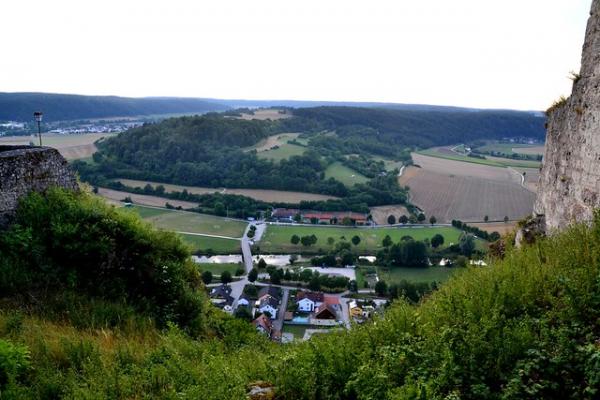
{"points": [[513, 54]]}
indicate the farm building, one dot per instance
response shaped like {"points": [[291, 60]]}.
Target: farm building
{"points": [[320, 217]]}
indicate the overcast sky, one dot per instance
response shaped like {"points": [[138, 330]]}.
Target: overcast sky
{"points": [[478, 53]]}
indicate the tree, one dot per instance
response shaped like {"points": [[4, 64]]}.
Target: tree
{"points": [[243, 313], [421, 217], [226, 277], [467, 245], [391, 220], [437, 240], [315, 283], [262, 264], [387, 241], [412, 219], [251, 233], [381, 288], [295, 239], [253, 275], [486, 218], [352, 286], [298, 217], [276, 276], [403, 219], [293, 259], [356, 240], [432, 220], [219, 209], [506, 219], [330, 241], [207, 277]]}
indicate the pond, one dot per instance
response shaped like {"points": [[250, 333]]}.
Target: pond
{"points": [[277, 260]]}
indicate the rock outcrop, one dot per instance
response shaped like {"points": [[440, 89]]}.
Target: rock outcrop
{"points": [[569, 186], [24, 169]]}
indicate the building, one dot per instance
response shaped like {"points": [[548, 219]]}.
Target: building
{"points": [[320, 217], [263, 325], [220, 296], [355, 310], [308, 301], [269, 305], [269, 291], [326, 312]]}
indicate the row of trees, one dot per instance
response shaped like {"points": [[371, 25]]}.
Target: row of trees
{"points": [[403, 219]]}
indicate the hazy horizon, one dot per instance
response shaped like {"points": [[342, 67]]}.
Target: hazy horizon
{"points": [[505, 55]]}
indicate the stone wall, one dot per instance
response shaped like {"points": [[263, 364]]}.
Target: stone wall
{"points": [[569, 187], [24, 169]]}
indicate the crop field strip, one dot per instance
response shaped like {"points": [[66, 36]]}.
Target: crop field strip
{"points": [[115, 197], [258, 194], [72, 147], [447, 153]]}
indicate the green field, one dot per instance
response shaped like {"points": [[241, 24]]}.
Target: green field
{"points": [[344, 174], [218, 269], [181, 221], [491, 161], [430, 274], [276, 239], [284, 152], [216, 245], [505, 147]]}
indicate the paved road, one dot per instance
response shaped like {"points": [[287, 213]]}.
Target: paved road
{"points": [[278, 323]]}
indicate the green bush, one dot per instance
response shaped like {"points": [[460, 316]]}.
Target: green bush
{"points": [[14, 363]]}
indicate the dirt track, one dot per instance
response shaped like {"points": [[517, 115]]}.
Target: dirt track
{"points": [[115, 197]]}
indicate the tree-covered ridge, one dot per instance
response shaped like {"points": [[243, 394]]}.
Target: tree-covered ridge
{"points": [[424, 128], [61, 107]]}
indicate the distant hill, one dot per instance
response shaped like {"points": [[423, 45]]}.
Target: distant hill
{"points": [[63, 107]]}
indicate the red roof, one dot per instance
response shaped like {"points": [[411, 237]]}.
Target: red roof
{"points": [[314, 296], [325, 311], [264, 322], [331, 300]]}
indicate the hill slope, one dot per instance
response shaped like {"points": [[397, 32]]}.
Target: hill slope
{"points": [[62, 107]]}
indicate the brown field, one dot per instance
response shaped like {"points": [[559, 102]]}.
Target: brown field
{"points": [[380, 214], [275, 140], [266, 114], [529, 150], [467, 198], [463, 169], [258, 194], [532, 177], [115, 196], [70, 146], [499, 227]]}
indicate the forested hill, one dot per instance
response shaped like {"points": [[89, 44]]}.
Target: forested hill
{"points": [[62, 107], [426, 128]]}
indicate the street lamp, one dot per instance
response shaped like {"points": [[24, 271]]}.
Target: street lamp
{"points": [[38, 117]]}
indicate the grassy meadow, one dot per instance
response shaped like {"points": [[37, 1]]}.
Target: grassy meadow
{"points": [[216, 245], [276, 239], [344, 174]]}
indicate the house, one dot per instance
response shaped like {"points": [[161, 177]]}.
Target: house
{"points": [[269, 305], [243, 301], [220, 296], [308, 301], [325, 311], [263, 325], [269, 291], [355, 310]]}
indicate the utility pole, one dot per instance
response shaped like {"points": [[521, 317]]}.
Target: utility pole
{"points": [[38, 117]]}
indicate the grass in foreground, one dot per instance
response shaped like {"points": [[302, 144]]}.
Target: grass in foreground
{"points": [[276, 239]]}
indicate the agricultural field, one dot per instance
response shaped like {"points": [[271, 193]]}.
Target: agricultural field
{"points": [[258, 194], [264, 114], [344, 174], [380, 214], [500, 227], [458, 168], [205, 244], [72, 147], [274, 140], [190, 222], [430, 274], [115, 197], [276, 239], [467, 198], [513, 148], [447, 153], [531, 178], [283, 152]]}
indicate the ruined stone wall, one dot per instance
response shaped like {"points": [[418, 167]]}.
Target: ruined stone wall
{"points": [[569, 187], [24, 169]]}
